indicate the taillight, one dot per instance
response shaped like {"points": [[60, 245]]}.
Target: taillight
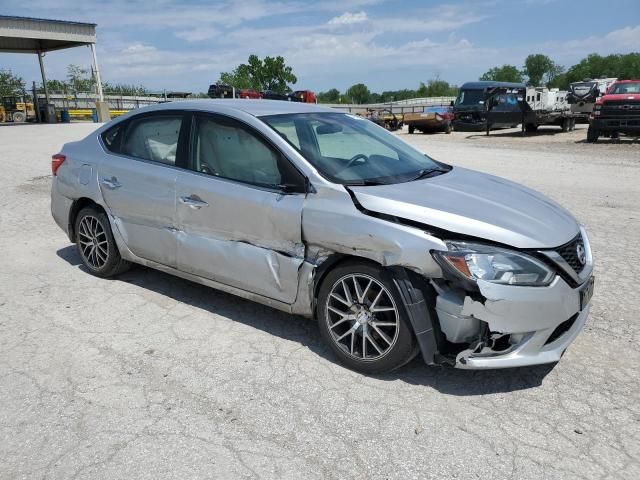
{"points": [[57, 160]]}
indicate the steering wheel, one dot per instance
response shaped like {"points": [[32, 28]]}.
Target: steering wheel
{"points": [[356, 158]]}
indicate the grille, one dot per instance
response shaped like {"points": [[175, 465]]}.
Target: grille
{"points": [[570, 253], [621, 108], [561, 329]]}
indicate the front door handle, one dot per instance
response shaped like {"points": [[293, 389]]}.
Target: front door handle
{"points": [[194, 202], [111, 183]]}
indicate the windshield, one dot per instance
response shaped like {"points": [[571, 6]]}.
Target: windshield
{"points": [[470, 98], [352, 150], [631, 87], [505, 102]]}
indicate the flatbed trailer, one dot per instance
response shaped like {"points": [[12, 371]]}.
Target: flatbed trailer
{"points": [[548, 107], [565, 120]]}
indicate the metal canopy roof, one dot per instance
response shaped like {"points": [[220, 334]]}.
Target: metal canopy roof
{"points": [[34, 35]]}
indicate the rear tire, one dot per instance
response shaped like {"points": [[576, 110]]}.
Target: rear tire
{"points": [[96, 245], [592, 135], [412, 129], [565, 125], [363, 320], [531, 127], [19, 117], [448, 129]]}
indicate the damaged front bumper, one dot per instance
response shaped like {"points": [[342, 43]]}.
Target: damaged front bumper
{"points": [[533, 349], [513, 326]]}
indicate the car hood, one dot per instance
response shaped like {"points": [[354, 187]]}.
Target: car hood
{"points": [[476, 204]]}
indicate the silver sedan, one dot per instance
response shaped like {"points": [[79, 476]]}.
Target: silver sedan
{"points": [[325, 214]]}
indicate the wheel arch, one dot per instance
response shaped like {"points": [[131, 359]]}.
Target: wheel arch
{"points": [[415, 292], [76, 206]]}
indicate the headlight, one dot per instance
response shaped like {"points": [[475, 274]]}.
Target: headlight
{"points": [[494, 264]]}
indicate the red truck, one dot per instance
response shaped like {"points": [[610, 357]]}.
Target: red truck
{"points": [[616, 112], [304, 96], [248, 93]]}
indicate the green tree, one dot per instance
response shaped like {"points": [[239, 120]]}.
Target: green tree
{"points": [[57, 86], [505, 73], [395, 95], [269, 74], [440, 88], [626, 66], [358, 93], [10, 84], [124, 89], [330, 96], [539, 67], [80, 79]]}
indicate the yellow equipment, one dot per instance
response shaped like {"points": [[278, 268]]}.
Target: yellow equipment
{"points": [[16, 109]]}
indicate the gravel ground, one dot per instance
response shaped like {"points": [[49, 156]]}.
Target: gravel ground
{"points": [[150, 376]]}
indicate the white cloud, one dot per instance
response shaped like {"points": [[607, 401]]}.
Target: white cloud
{"points": [[348, 18], [197, 34]]}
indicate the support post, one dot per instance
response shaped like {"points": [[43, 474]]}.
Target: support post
{"points": [[44, 77], [102, 107], [49, 109], [97, 70]]}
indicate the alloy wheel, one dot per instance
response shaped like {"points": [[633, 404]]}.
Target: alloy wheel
{"points": [[94, 245], [362, 317]]}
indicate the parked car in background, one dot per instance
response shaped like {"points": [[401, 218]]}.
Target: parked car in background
{"points": [[323, 214], [385, 118], [248, 93], [432, 119], [304, 96], [219, 90], [616, 112], [272, 95]]}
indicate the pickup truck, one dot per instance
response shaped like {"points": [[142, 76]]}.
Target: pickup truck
{"points": [[616, 112]]}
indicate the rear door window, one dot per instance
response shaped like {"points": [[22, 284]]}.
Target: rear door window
{"points": [[112, 138], [153, 137]]}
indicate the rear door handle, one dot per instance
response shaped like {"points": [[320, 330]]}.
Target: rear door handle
{"points": [[111, 183], [194, 202]]}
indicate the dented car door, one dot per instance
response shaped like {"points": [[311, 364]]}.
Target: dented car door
{"points": [[235, 224]]}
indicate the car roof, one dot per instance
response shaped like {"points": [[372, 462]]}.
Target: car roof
{"points": [[481, 85], [255, 107]]}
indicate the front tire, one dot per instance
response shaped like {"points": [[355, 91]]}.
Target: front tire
{"points": [[412, 129], [592, 135], [363, 320], [96, 245]]}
